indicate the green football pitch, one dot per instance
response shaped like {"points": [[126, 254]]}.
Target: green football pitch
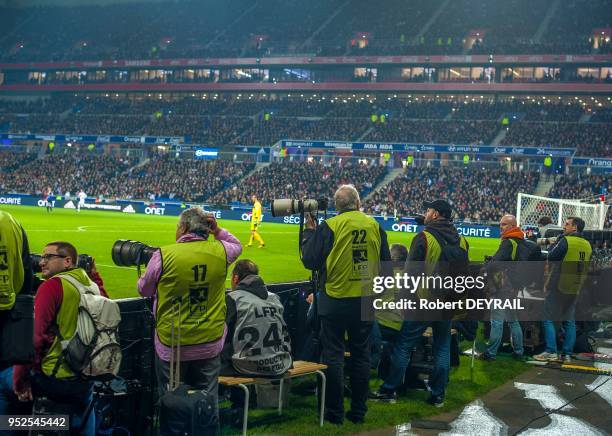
{"points": [[94, 233]]}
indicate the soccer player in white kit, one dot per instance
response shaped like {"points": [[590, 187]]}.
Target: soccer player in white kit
{"points": [[82, 196]]}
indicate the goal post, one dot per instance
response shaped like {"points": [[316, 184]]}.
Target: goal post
{"points": [[531, 208]]}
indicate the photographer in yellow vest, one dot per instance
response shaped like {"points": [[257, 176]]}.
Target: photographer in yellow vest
{"points": [[187, 282], [346, 250], [56, 309], [425, 254], [568, 267], [15, 269]]}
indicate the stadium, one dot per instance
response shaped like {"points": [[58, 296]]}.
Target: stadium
{"points": [[117, 117]]}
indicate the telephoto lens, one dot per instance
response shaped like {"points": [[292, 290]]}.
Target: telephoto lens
{"points": [[131, 253]]}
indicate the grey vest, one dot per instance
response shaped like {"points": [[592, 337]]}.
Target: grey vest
{"points": [[261, 344]]}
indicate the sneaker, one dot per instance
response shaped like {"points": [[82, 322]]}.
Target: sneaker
{"points": [[486, 356], [436, 400], [517, 356], [332, 419], [566, 358], [354, 418], [382, 396], [547, 357], [262, 246]]}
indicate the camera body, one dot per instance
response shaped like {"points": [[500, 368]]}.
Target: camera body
{"points": [[85, 261], [287, 206]]}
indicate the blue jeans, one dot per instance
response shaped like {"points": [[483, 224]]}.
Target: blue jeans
{"points": [[550, 336], [555, 306], [497, 330], [376, 343], [409, 334], [9, 404]]}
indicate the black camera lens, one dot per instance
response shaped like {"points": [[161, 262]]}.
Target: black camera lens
{"points": [[131, 253]]}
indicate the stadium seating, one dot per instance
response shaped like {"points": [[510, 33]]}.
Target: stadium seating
{"points": [[477, 195], [242, 119], [580, 186], [166, 176], [302, 179], [68, 172], [591, 139], [583, 187], [330, 27]]}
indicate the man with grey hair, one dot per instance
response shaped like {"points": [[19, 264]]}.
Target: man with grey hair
{"points": [[187, 283], [346, 250]]}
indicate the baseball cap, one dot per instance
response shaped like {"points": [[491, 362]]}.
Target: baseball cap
{"points": [[442, 206]]}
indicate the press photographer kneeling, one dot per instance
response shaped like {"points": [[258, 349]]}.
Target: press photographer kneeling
{"points": [[56, 309]]}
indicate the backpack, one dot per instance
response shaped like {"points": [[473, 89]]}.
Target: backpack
{"points": [[526, 273], [93, 352], [531, 251], [454, 260]]}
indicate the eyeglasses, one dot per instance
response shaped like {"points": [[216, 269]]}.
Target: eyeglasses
{"points": [[48, 257]]}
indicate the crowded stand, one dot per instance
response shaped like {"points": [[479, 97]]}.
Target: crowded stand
{"points": [[602, 116], [117, 176], [160, 30], [347, 31], [271, 131], [169, 177], [591, 139], [10, 160], [588, 188], [221, 120], [302, 179], [68, 172], [488, 19], [477, 195], [580, 186], [438, 132]]}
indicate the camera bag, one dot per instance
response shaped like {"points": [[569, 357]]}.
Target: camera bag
{"points": [[183, 409], [17, 332]]}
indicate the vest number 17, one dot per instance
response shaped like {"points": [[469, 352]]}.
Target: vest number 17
{"points": [[196, 269]]}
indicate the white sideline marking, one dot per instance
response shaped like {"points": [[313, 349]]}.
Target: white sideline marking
{"points": [[605, 391], [115, 266], [603, 365], [563, 425], [548, 396], [82, 229], [476, 419]]}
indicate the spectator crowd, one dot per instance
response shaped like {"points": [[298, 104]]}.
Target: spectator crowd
{"points": [[477, 195], [331, 27], [240, 119]]}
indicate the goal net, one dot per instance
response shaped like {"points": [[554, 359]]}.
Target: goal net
{"points": [[531, 208]]}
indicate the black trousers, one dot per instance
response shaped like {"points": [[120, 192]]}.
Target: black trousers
{"points": [[200, 374], [333, 329]]}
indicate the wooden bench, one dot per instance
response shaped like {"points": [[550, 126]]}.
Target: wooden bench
{"points": [[300, 369]]}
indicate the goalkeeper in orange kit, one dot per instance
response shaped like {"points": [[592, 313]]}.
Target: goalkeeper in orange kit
{"points": [[255, 221]]}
